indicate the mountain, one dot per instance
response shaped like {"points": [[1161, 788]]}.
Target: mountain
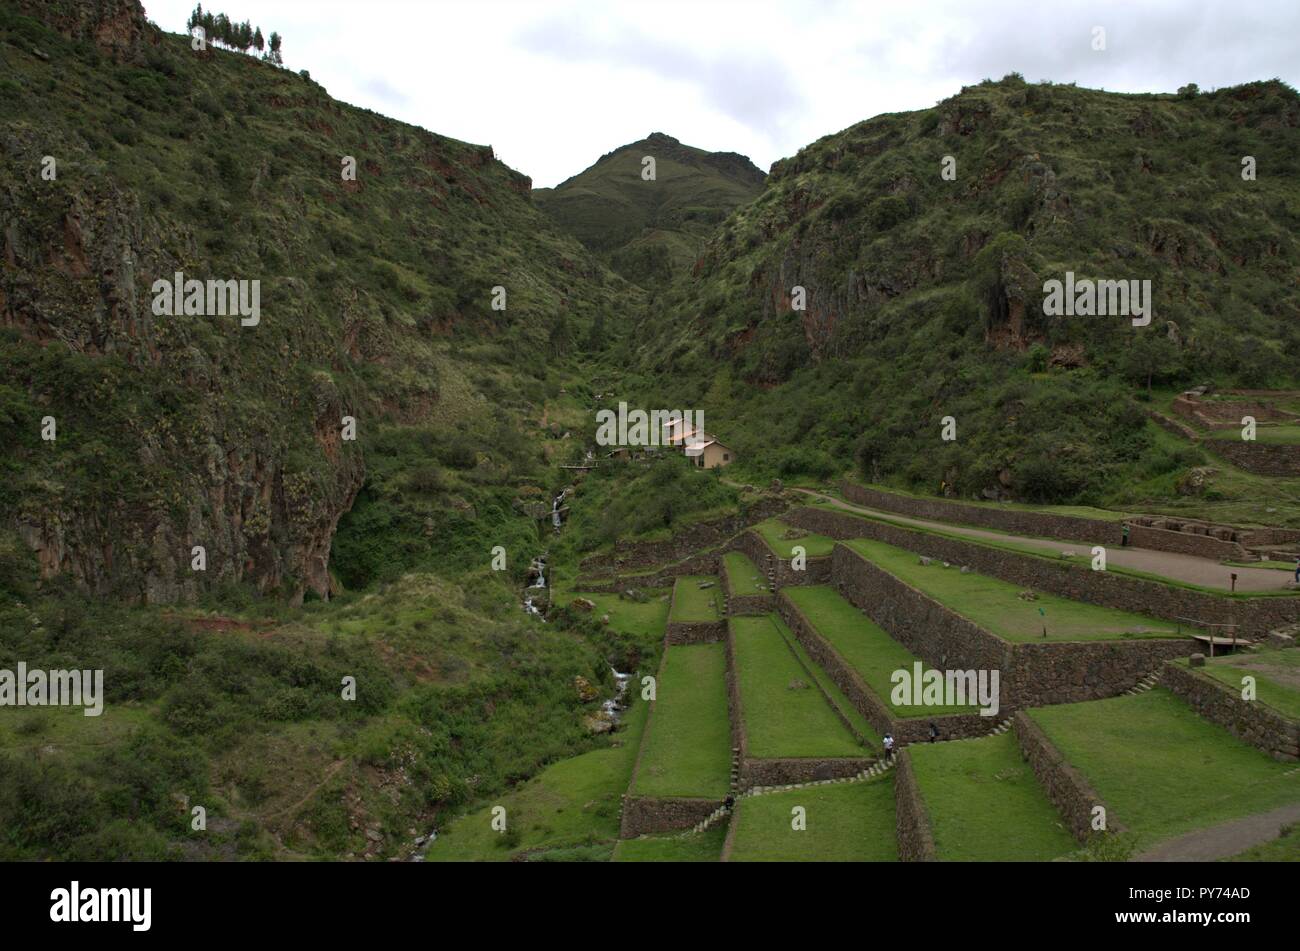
{"points": [[126, 157], [925, 295], [650, 230]]}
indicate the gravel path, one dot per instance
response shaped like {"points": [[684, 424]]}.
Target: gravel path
{"points": [[1225, 839], [1186, 568]]}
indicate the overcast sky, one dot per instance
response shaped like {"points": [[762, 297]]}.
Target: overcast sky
{"points": [[554, 85]]}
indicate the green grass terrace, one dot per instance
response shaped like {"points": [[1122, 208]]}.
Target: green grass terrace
{"points": [[742, 575], [985, 804], [1162, 769], [786, 716], [703, 847], [1276, 673], [996, 606], [846, 822], [772, 531], [693, 603], [863, 645], [687, 746]]}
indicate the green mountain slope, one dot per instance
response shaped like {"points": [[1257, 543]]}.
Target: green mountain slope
{"points": [[925, 295], [651, 230], [376, 302]]}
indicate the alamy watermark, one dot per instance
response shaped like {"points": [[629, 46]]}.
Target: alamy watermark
{"points": [[946, 688], [660, 427], [195, 298], [1089, 298], [53, 688]]}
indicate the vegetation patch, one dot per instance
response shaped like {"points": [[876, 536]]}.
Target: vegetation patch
{"points": [[864, 645], [985, 804], [785, 715], [845, 822], [687, 748], [1160, 768], [997, 606], [693, 603]]}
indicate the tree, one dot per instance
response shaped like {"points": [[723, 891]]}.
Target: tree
{"points": [[274, 55], [1152, 356], [259, 43]]}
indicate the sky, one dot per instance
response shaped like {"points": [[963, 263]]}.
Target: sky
{"points": [[554, 85]]}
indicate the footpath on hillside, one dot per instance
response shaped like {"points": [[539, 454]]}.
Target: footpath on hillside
{"points": [[1188, 569], [1225, 839]]}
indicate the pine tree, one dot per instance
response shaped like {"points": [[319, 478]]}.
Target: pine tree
{"points": [[259, 43]]}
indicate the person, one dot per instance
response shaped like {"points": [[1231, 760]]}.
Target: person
{"points": [[1297, 570], [889, 746], [934, 732], [1125, 543]]}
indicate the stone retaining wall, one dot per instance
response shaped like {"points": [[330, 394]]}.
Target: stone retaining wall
{"points": [[1203, 545], [778, 570], [1065, 786], [705, 563], [1203, 540], [1015, 521], [1249, 721], [905, 729], [778, 771], [1254, 617], [645, 815], [1260, 458], [742, 605], [1031, 674], [694, 632], [630, 556], [915, 839]]}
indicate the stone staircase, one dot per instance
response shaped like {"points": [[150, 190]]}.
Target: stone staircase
{"points": [[878, 768], [704, 823], [1001, 727], [1147, 682]]}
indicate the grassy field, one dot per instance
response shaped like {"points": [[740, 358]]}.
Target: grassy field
{"points": [[705, 847], [1284, 434], [772, 530], [742, 575], [785, 715], [994, 604], [862, 643], [693, 603], [849, 711], [985, 804], [572, 803], [644, 620], [687, 749], [1162, 769], [1285, 848], [849, 822], [1276, 673]]}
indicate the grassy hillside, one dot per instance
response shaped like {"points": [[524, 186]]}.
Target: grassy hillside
{"points": [[376, 302], [650, 231], [925, 295]]}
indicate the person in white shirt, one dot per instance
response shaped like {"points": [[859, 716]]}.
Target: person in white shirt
{"points": [[889, 745]]}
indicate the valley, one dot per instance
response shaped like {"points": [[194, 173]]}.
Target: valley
{"points": [[351, 481]]}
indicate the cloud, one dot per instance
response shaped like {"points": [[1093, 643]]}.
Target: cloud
{"points": [[751, 87], [380, 89]]}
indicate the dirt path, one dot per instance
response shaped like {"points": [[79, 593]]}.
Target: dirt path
{"points": [[1186, 568], [329, 774], [1225, 839]]}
